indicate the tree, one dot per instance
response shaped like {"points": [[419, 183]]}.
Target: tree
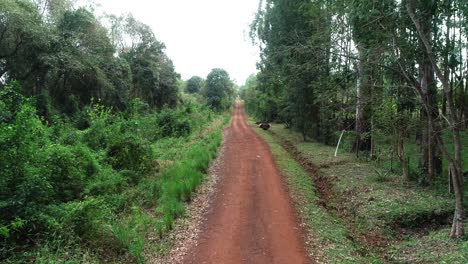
{"points": [[154, 77], [194, 84], [23, 40], [290, 69], [219, 89]]}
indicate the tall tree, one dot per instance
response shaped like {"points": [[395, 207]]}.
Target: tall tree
{"points": [[194, 84], [219, 89]]}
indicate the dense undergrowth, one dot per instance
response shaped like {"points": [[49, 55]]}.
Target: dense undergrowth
{"points": [[93, 187], [398, 220]]}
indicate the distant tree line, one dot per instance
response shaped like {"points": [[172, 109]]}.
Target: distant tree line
{"points": [[375, 68], [217, 89]]}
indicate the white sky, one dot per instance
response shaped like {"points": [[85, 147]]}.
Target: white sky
{"points": [[199, 34]]}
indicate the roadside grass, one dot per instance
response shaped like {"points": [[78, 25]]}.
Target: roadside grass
{"points": [[432, 247], [167, 193], [406, 221], [329, 234]]}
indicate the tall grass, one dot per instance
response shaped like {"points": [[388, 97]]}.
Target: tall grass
{"points": [[165, 195], [180, 181]]}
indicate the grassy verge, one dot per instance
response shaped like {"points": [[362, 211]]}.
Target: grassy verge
{"points": [[402, 221], [329, 235], [185, 162]]}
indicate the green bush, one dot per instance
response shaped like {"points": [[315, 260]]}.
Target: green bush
{"points": [[24, 184], [37, 174], [137, 107], [130, 153], [82, 120], [11, 102], [83, 218], [173, 123], [107, 181], [98, 135], [70, 167]]}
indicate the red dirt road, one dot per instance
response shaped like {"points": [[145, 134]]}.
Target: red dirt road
{"points": [[251, 219]]}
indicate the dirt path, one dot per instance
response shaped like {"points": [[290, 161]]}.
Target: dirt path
{"points": [[251, 219]]}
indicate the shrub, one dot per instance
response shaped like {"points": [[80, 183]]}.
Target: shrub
{"points": [[44, 106], [107, 181], [81, 218], [137, 107], [11, 102], [36, 174], [70, 167], [130, 153], [97, 136], [82, 120], [173, 123], [60, 185], [24, 185]]}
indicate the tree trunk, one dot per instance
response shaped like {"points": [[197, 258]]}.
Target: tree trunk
{"points": [[430, 157], [432, 163], [444, 105], [463, 102], [401, 153], [362, 141], [457, 225]]}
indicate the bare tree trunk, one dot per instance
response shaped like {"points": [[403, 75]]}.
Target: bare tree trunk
{"points": [[401, 153], [361, 141], [372, 140], [432, 163], [427, 83], [463, 102], [444, 105]]}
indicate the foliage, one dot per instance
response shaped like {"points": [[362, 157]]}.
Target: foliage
{"points": [[219, 90], [194, 84], [70, 55], [173, 123], [90, 109], [386, 73], [61, 184]]}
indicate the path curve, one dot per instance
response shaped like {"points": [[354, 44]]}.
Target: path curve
{"points": [[251, 219]]}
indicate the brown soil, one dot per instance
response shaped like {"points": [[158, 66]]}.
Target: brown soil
{"points": [[251, 218], [323, 185]]}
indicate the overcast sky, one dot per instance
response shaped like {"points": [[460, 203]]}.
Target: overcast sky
{"points": [[199, 34]]}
